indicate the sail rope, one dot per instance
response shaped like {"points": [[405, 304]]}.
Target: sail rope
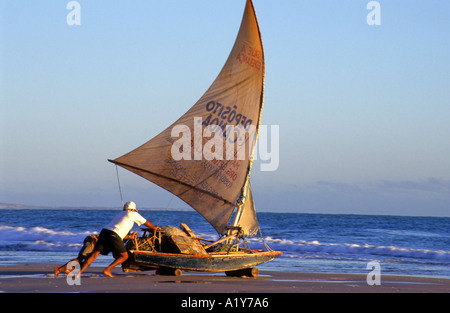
{"points": [[120, 188], [264, 241], [121, 196], [165, 211]]}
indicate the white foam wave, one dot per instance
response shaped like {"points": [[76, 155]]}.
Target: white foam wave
{"points": [[45, 239], [39, 239], [301, 246]]}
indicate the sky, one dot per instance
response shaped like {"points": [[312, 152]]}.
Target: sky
{"points": [[363, 110]]}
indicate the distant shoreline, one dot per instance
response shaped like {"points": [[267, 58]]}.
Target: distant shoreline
{"points": [[10, 206]]}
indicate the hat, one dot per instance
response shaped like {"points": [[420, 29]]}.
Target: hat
{"points": [[130, 205]]}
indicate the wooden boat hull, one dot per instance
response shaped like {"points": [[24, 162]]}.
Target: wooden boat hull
{"points": [[215, 262]]}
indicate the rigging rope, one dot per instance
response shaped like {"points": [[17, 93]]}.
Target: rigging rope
{"points": [[121, 196], [165, 210], [120, 188], [264, 241]]}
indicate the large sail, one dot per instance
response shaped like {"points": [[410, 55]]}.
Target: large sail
{"points": [[199, 158]]}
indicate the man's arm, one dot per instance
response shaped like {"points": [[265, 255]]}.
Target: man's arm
{"points": [[150, 225], [131, 236]]}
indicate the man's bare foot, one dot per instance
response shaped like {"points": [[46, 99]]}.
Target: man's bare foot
{"points": [[107, 272], [57, 271]]}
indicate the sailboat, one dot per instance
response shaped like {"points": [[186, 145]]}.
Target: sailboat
{"points": [[205, 158]]}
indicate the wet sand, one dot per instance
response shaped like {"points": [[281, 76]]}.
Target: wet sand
{"points": [[35, 278]]}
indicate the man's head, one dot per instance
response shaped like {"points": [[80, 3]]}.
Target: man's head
{"points": [[130, 206]]}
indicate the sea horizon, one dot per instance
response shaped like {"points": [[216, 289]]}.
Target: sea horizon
{"points": [[16, 206]]}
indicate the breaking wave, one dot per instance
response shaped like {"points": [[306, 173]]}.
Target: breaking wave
{"points": [[39, 239], [44, 239], [293, 248]]}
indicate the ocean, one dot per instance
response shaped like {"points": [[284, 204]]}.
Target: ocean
{"points": [[327, 243]]}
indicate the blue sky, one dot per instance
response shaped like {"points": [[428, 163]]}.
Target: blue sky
{"points": [[363, 111]]}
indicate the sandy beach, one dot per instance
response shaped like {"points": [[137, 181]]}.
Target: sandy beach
{"points": [[37, 278]]}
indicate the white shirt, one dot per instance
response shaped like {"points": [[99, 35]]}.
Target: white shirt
{"points": [[122, 223]]}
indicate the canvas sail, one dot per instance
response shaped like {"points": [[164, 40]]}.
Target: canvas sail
{"points": [[198, 168], [248, 221]]}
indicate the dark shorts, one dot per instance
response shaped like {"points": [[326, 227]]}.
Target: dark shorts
{"points": [[109, 241], [86, 250]]}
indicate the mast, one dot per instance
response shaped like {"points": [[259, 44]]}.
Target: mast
{"points": [[243, 199], [245, 188]]}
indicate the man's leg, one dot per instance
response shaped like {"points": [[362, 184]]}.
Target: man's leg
{"points": [[63, 267], [88, 262], [123, 256]]}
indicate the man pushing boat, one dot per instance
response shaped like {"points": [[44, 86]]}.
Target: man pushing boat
{"points": [[112, 235]]}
